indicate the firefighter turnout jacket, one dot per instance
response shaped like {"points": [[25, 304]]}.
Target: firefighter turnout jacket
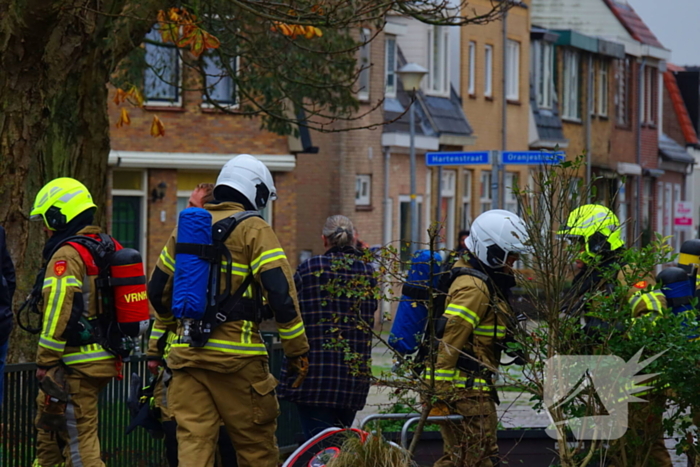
{"points": [[255, 250], [474, 325], [68, 295]]}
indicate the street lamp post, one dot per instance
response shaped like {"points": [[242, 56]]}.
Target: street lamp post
{"points": [[411, 76]]}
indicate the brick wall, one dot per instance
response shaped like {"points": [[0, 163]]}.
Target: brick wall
{"points": [[623, 147], [326, 181], [159, 230]]}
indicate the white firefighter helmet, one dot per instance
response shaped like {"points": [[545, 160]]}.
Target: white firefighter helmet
{"points": [[247, 175], [494, 235]]}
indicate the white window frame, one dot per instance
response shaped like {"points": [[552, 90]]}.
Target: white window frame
{"points": [[648, 101], [162, 102], [676, 242], [543, 59], [668, 209], [363, 181], [622, 210], [485, 199], [660, 207], [604, 88], [143, 193], [438, 85], [224, 76], [472, 69], [365, 62], [488, 70], [390, 66], [513, 70], [511, 201], [181, 194], [622, 91], [467, 177], [571, 101], [448, 192]]}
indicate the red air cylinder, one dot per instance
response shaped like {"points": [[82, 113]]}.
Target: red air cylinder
{"points": [[130, 298]]}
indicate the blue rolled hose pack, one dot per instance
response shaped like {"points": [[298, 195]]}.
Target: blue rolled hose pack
{"points": [[412, 313], [191, 272]]}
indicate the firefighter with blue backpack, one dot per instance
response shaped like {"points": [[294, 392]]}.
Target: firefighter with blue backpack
{"points": [[476, 313], [597, 233], [219, 360], [80, 344]]}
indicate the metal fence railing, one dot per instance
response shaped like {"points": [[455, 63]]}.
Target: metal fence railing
{"points": [[139, 449]]}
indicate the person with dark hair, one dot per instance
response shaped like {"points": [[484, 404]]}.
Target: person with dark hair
{"points": [[338, 381], [461, 238], [7, 291]]}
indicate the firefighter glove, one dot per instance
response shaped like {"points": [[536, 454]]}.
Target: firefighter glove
{"points": [[298, 366]]}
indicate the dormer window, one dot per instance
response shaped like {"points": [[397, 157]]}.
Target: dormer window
{"points": [[438, 81]]}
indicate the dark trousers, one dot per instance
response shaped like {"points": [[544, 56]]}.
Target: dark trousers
{"points": [[226, 450], [316, 419], [3, 354]]}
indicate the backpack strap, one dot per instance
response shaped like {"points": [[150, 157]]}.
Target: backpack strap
{"points": [[227, 302], [457, 272]]}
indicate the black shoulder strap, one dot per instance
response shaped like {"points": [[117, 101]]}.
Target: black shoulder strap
{"points": [[457, 272], [222, 229], [100, 250]]}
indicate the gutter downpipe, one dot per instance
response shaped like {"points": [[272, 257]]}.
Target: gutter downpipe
{"points": [[386, 235], [504, 115], [640, 101], [589, 122]]}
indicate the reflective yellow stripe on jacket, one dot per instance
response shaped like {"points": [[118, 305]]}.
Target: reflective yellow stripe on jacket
{"points": [[167, 260], [52, 314], [441, 375], [267, 257], [231, 347], [491, 331], [651, 300], [88, 353], [478, 384], [292, 332], [463, 312]]}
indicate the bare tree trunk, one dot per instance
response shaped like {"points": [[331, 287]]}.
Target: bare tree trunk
{"points": [[56, 59]]}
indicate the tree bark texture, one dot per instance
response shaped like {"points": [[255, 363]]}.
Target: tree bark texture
{"points": [[56, 58]]}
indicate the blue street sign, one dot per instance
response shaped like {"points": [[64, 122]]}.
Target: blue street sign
{"points": [[532, 157], [457, 158]]}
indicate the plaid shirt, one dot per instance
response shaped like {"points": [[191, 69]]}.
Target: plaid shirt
{"points": [[331, 324]]}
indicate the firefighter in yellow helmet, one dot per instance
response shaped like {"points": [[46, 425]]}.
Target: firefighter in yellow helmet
{"points": [[226, 377], [689, 261], [597, 232], [72, 367]]}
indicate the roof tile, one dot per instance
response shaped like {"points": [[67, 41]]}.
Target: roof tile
{"points": [[633, 23], [681, 110]]}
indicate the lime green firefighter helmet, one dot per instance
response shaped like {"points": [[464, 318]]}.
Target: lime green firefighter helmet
{"points": [[597, 227], [60, 201]]}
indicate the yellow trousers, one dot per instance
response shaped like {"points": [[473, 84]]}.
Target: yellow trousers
{"points": [[471, 442], [246, 402], [81, 447]]}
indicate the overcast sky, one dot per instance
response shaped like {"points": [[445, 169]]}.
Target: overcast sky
{"points": [[676, 23]]}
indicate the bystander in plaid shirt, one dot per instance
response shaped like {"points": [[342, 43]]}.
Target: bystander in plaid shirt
{"points": [[337, 329]]}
